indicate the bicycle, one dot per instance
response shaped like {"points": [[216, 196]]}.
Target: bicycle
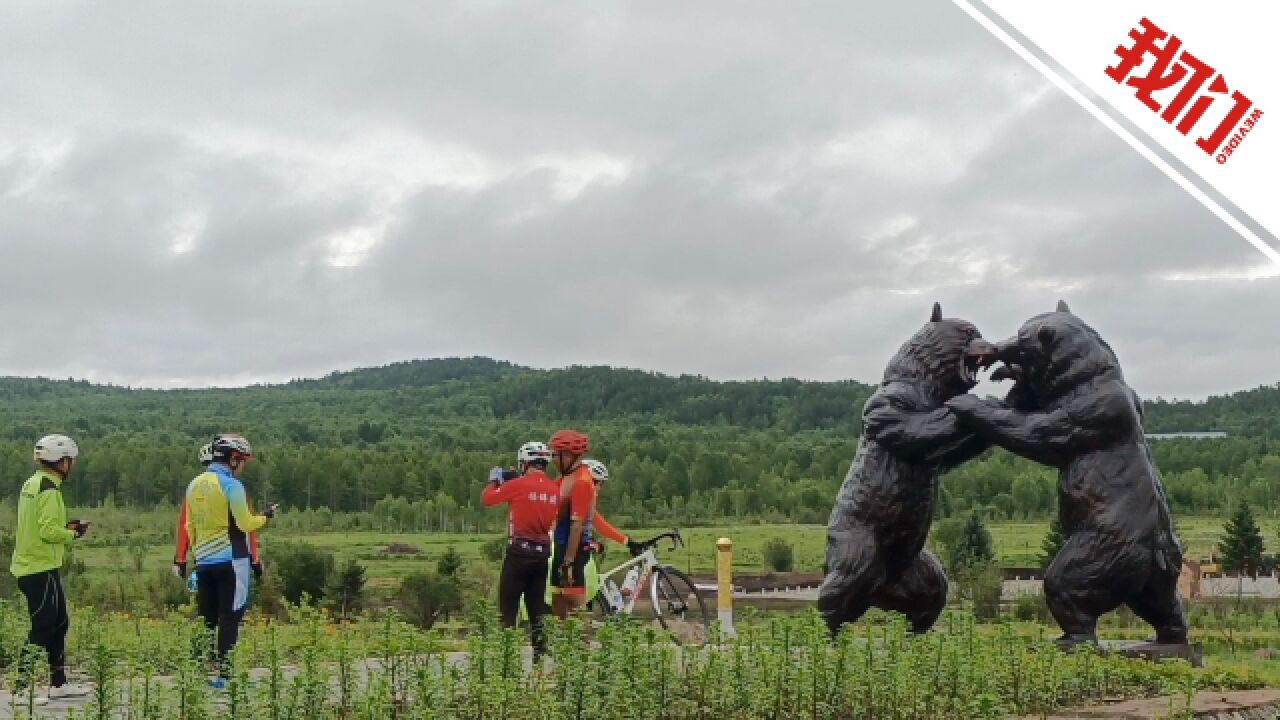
{"points": [[672, 598]]}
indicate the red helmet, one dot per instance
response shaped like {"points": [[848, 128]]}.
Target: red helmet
{"points": [[570, 441]]}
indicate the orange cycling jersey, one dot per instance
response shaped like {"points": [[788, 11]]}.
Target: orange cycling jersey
{"points": [[608, 530], [578, 502]]}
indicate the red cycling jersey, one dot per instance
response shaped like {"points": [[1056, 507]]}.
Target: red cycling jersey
{"points": [[534, 498]]}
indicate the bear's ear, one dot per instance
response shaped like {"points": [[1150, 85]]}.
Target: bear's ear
{"points": [[937, 313], [1044, 334], [1062, 306]]}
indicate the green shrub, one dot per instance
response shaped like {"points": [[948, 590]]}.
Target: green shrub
{"points": [[425, 598], [8, 584], [779, 555], [972, 548], [303, 570], [494, 548], [450, 563], [345, 595], [1031, 608], [979, 584]]}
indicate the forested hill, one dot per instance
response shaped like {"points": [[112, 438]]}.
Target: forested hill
{"points": [[600, 393], [585, 394], [1247, 413], [401, 397], [453, 388], [684, 447]]}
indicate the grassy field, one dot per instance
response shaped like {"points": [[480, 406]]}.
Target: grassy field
{"points": [[778, 667], [1017, 544], [385, 568], [1236, 640]]}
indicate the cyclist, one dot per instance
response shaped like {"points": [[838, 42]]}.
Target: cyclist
{"points": [[576, 516], [600, 473], [534, 499], [205, 456], [218, 521], [41, 541]]}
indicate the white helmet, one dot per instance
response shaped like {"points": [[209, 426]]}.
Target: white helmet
{"points": [[227, 443], [533, 451], [599, 472], [52, 448], [206, 454]]}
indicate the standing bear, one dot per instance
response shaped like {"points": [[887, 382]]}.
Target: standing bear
{"points": [[1070, 408], [875, 537]]}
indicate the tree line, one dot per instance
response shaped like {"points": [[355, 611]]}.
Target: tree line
{"points": [[410, 443]]}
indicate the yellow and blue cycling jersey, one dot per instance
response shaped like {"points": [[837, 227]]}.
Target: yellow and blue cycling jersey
{"points": [[218, 517]]}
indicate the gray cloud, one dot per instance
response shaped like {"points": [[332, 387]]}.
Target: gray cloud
{"points": [[737, 189]]}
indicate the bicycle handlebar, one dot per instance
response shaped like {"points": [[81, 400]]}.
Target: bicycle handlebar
{"points": [[674, 536], [677, 541]]}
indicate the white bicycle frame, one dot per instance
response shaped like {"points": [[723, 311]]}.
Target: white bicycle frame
{"points": [[647, 561]]}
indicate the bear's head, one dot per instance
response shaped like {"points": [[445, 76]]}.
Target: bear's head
{"points": [[1054, 352], [944, 355]]}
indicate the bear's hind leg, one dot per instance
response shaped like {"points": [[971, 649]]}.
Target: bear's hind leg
{"points": [[854, 571], [920, 593], [1158, 604], [1081, 585]]}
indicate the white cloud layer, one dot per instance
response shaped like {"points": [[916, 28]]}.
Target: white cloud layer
{"points": [[232, 193]]}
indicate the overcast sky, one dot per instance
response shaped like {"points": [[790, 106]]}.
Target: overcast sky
{"points": [[225, 193]]}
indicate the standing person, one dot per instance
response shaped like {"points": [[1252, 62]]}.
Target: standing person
{"points": [[575, 518], [533, 498], [43, 535], [218, 525], [183, 544], [600, 473]]}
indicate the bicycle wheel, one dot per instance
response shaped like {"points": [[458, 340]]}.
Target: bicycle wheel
{"points": [[679, 607]]}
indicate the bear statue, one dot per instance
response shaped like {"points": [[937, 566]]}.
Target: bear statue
{"points": [[875, 538], [1070, 408]]}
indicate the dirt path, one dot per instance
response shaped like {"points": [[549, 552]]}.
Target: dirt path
{"points": [[1264, 703]]}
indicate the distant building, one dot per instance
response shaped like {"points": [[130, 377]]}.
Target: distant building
{"points": [[1197, 435]]}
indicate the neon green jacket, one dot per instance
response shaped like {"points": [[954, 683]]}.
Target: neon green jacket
{"points": [[42, 536]]}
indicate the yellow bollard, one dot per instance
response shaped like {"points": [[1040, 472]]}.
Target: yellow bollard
{"points": [[724, 580]]}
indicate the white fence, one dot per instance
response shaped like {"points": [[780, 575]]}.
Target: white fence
{"points": [[1263, 587], [1011, 590]]}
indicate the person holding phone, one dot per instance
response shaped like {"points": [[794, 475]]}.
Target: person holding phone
{"points": [[532, 498], [218, 526], [183, 541], [41, 542]]}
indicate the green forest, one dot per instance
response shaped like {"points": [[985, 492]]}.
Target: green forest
{"points": [[407, 446]]}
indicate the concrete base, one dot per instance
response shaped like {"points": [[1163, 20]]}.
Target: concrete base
{"points": [[1191, 652]]}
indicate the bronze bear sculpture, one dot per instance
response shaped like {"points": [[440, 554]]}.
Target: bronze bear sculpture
{"points": [[1070, 408], [875, 537]]}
